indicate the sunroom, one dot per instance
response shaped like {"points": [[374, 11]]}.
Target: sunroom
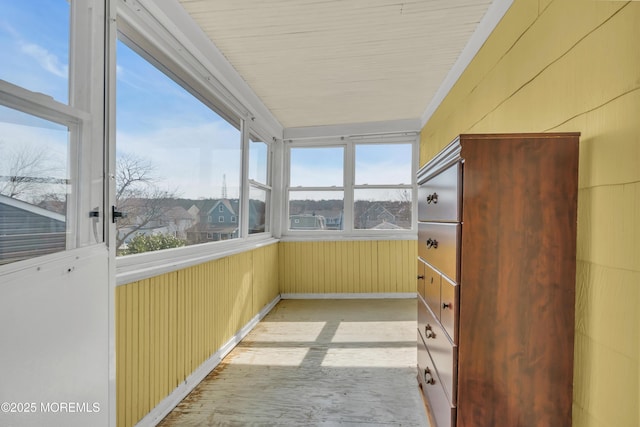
{"points": [[172, 170]]}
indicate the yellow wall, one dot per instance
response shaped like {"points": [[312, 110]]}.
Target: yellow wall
{"points": [[574, 65], [168, 325], [348, 267]]}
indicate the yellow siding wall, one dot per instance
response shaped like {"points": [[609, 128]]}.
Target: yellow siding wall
{"points": [[574, 65], [168, 325], [348, 267]]}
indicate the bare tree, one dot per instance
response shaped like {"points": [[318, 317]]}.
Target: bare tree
{"points": [[138, 196], [27, 173]]}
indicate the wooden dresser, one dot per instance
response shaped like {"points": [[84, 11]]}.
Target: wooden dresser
{"points": [[496, 280]]}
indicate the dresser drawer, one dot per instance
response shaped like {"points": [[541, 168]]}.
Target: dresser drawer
{"points": [[432, 288], [438, 245], [449, 305], [420, 285], [440, 410], [438, 198], [443, 352]]}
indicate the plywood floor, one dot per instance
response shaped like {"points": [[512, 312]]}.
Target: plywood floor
{"points": [[316, 363]]}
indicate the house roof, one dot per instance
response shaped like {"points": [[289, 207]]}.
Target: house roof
{"points": [[177, 213], [228, 204], [28, 207]]}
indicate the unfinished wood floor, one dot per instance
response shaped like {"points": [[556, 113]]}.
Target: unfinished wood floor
{"points": [[316, 363]]}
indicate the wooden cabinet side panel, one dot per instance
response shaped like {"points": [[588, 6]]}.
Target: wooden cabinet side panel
{"points": [[517, 281]]}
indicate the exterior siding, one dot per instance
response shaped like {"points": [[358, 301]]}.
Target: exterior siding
{"points": [[168, 325], [369, 266], [27, 233], [567, 65]]}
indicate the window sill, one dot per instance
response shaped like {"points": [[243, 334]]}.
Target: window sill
{"points": [[132, 268], [301, 236]]}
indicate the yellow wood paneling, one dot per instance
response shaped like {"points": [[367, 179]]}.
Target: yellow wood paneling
{"points": [[348, 266], [570, 65], [445, 123], [598, 289], [610, 146], [608, 228], [265, 276], [514, 62], [168, 325], [605, 384]]}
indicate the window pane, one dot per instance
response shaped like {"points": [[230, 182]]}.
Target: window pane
{"points": [[258, 210], [317, 167], [34, 38], [382, 209], [316, 210], [178, 162], [34, 186], [383, 164], [258, 161]]}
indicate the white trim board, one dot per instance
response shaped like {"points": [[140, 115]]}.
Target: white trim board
{"points": [[353, 129], [167, 404], [388, 295]]}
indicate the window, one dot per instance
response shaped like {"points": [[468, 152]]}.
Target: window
{"points": [[34, 186], [176, 157], [259, 186], [358, 185], [47, 141], [35, 46], [383, 190], [316, 188]]}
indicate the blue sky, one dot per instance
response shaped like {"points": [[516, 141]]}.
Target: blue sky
{"points": [[34, 37], [190, 146], [35, 54]]}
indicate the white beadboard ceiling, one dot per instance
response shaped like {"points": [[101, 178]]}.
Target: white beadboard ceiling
{"points": [[336, 62]]}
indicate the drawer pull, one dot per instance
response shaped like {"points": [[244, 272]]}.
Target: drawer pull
{"points": [[428, 332], [446, 305], [420, 277], [432, 243], [432, 198], [428, 377]]}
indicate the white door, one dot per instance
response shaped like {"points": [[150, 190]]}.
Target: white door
{"points": [[56, 279]]}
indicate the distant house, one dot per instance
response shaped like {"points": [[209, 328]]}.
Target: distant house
{"points": [[307, 222], [217, 219], [222, 219], [27, 230], [386, 226], [223, 213], [177, 220], [375, 216], [332, 218], [332, 212]]}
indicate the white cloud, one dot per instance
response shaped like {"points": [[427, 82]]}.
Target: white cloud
{"points": [[47, 60], [191, 160]]}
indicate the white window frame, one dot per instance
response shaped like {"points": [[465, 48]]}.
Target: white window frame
{"points": [[251, 183], [161, 31], [83, 116], [349, 143]]}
